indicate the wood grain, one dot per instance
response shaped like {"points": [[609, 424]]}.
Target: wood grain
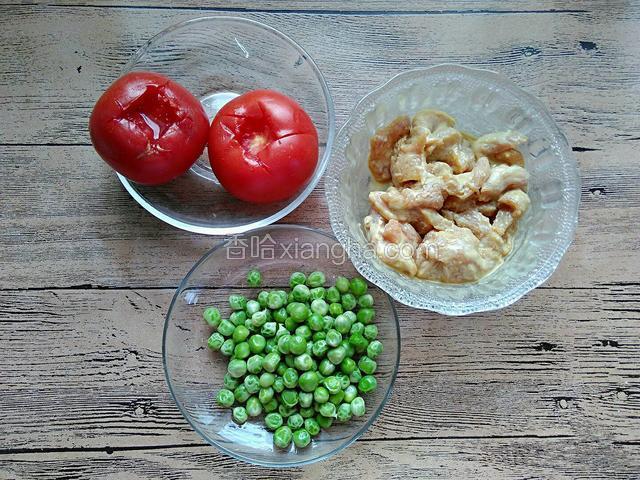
{"points": [[586, 86]]}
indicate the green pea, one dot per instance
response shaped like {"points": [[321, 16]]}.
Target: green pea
{"points": [[317, 336], [332, 384], [271, 346], [283, 296], [267, 379], [305, 399], [358, 342], [290, 378], [241, 350], [357, 407], [315, 322], [295, 421], [335, 309], [357, 327], [332, 295], [303, 362], [307, 412], [297, 278], [265, 395], [342, 324], [316, 279], [337, 398], [282, 367], [333, 338], [252, 383], [238, 318], [269, 329], [226, 328], [271, 405], [282, 437], [240, 333], [254, 407], [366, 315], [367, 384], [320, 307], [273, 421], [358, 287], [227, 347], [252, 307], [355, 376], [297, 345], [321, 395], [351, 315], [328, 321], [344, 412], [301, 438], [311, 426], [241, 393], [367, 365], [270, 362], [350, 393], [308, 381], [342, 284], [283, 344], [274, 301], [289, 298], [258, 319], [365, 301], [212, 317], [289, 398], [237, 368], [348, 301], [336, 355], [328, 410], [285, 410], [240, 415], [225, 397], [289, 360], [324, 422], [304, 331], [326, 368], [301, 293], [254, 364], [278, 384], [299, 312], [290, 324], [215, 341], [370, 332], [374, 349], [280, 315], [237, 302], [254, 278], [262, 298], [317, 293], [229, 382], [344, 380], [320, 348]]}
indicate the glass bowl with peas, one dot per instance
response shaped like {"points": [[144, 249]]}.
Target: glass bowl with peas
{"points": [[276, 351]]}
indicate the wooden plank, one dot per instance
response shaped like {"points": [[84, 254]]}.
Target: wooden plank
{"points": [[84, 228], [87, 364], [585, 73]]}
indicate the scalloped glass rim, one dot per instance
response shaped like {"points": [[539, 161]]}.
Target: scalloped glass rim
{"points": [[301, 197], [176, 297], [386, 280]]}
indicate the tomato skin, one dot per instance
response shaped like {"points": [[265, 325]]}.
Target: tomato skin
{"points": [[148, 128], [263, 147]]}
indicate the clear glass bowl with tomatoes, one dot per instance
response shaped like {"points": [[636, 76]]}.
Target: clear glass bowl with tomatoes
{"points": [[218, 59]]}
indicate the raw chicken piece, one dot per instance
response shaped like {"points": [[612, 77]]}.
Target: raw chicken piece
{"points": [[513, 204], [394, 243], [501, 147], [458, 205], [427, 121], [503, 177], [439, 169], [447, 145], [481, 173], [382, 146], [481, 228], [488, 209], [429, 194], [407, 165]]}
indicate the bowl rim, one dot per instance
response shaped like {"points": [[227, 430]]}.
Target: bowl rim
{"points": [[322, 162], [544, 270], [358, 434]]}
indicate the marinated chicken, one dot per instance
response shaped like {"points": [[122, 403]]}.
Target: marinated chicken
{"points": [[453, 205]]}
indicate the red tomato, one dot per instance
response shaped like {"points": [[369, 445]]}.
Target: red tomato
{"points": [[148, 128], [263, 147]]}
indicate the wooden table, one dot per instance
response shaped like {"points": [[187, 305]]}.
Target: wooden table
{"points": [[548, 388]]}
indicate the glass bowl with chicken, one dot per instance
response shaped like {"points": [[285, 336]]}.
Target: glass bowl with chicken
{"points": [[453, 190]]}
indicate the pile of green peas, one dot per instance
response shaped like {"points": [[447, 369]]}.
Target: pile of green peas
{"points": [[302, 357]]}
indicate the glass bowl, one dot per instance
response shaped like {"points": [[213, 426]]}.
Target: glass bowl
{"points": [[481, 101], [194, 372], [216, 59]]}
